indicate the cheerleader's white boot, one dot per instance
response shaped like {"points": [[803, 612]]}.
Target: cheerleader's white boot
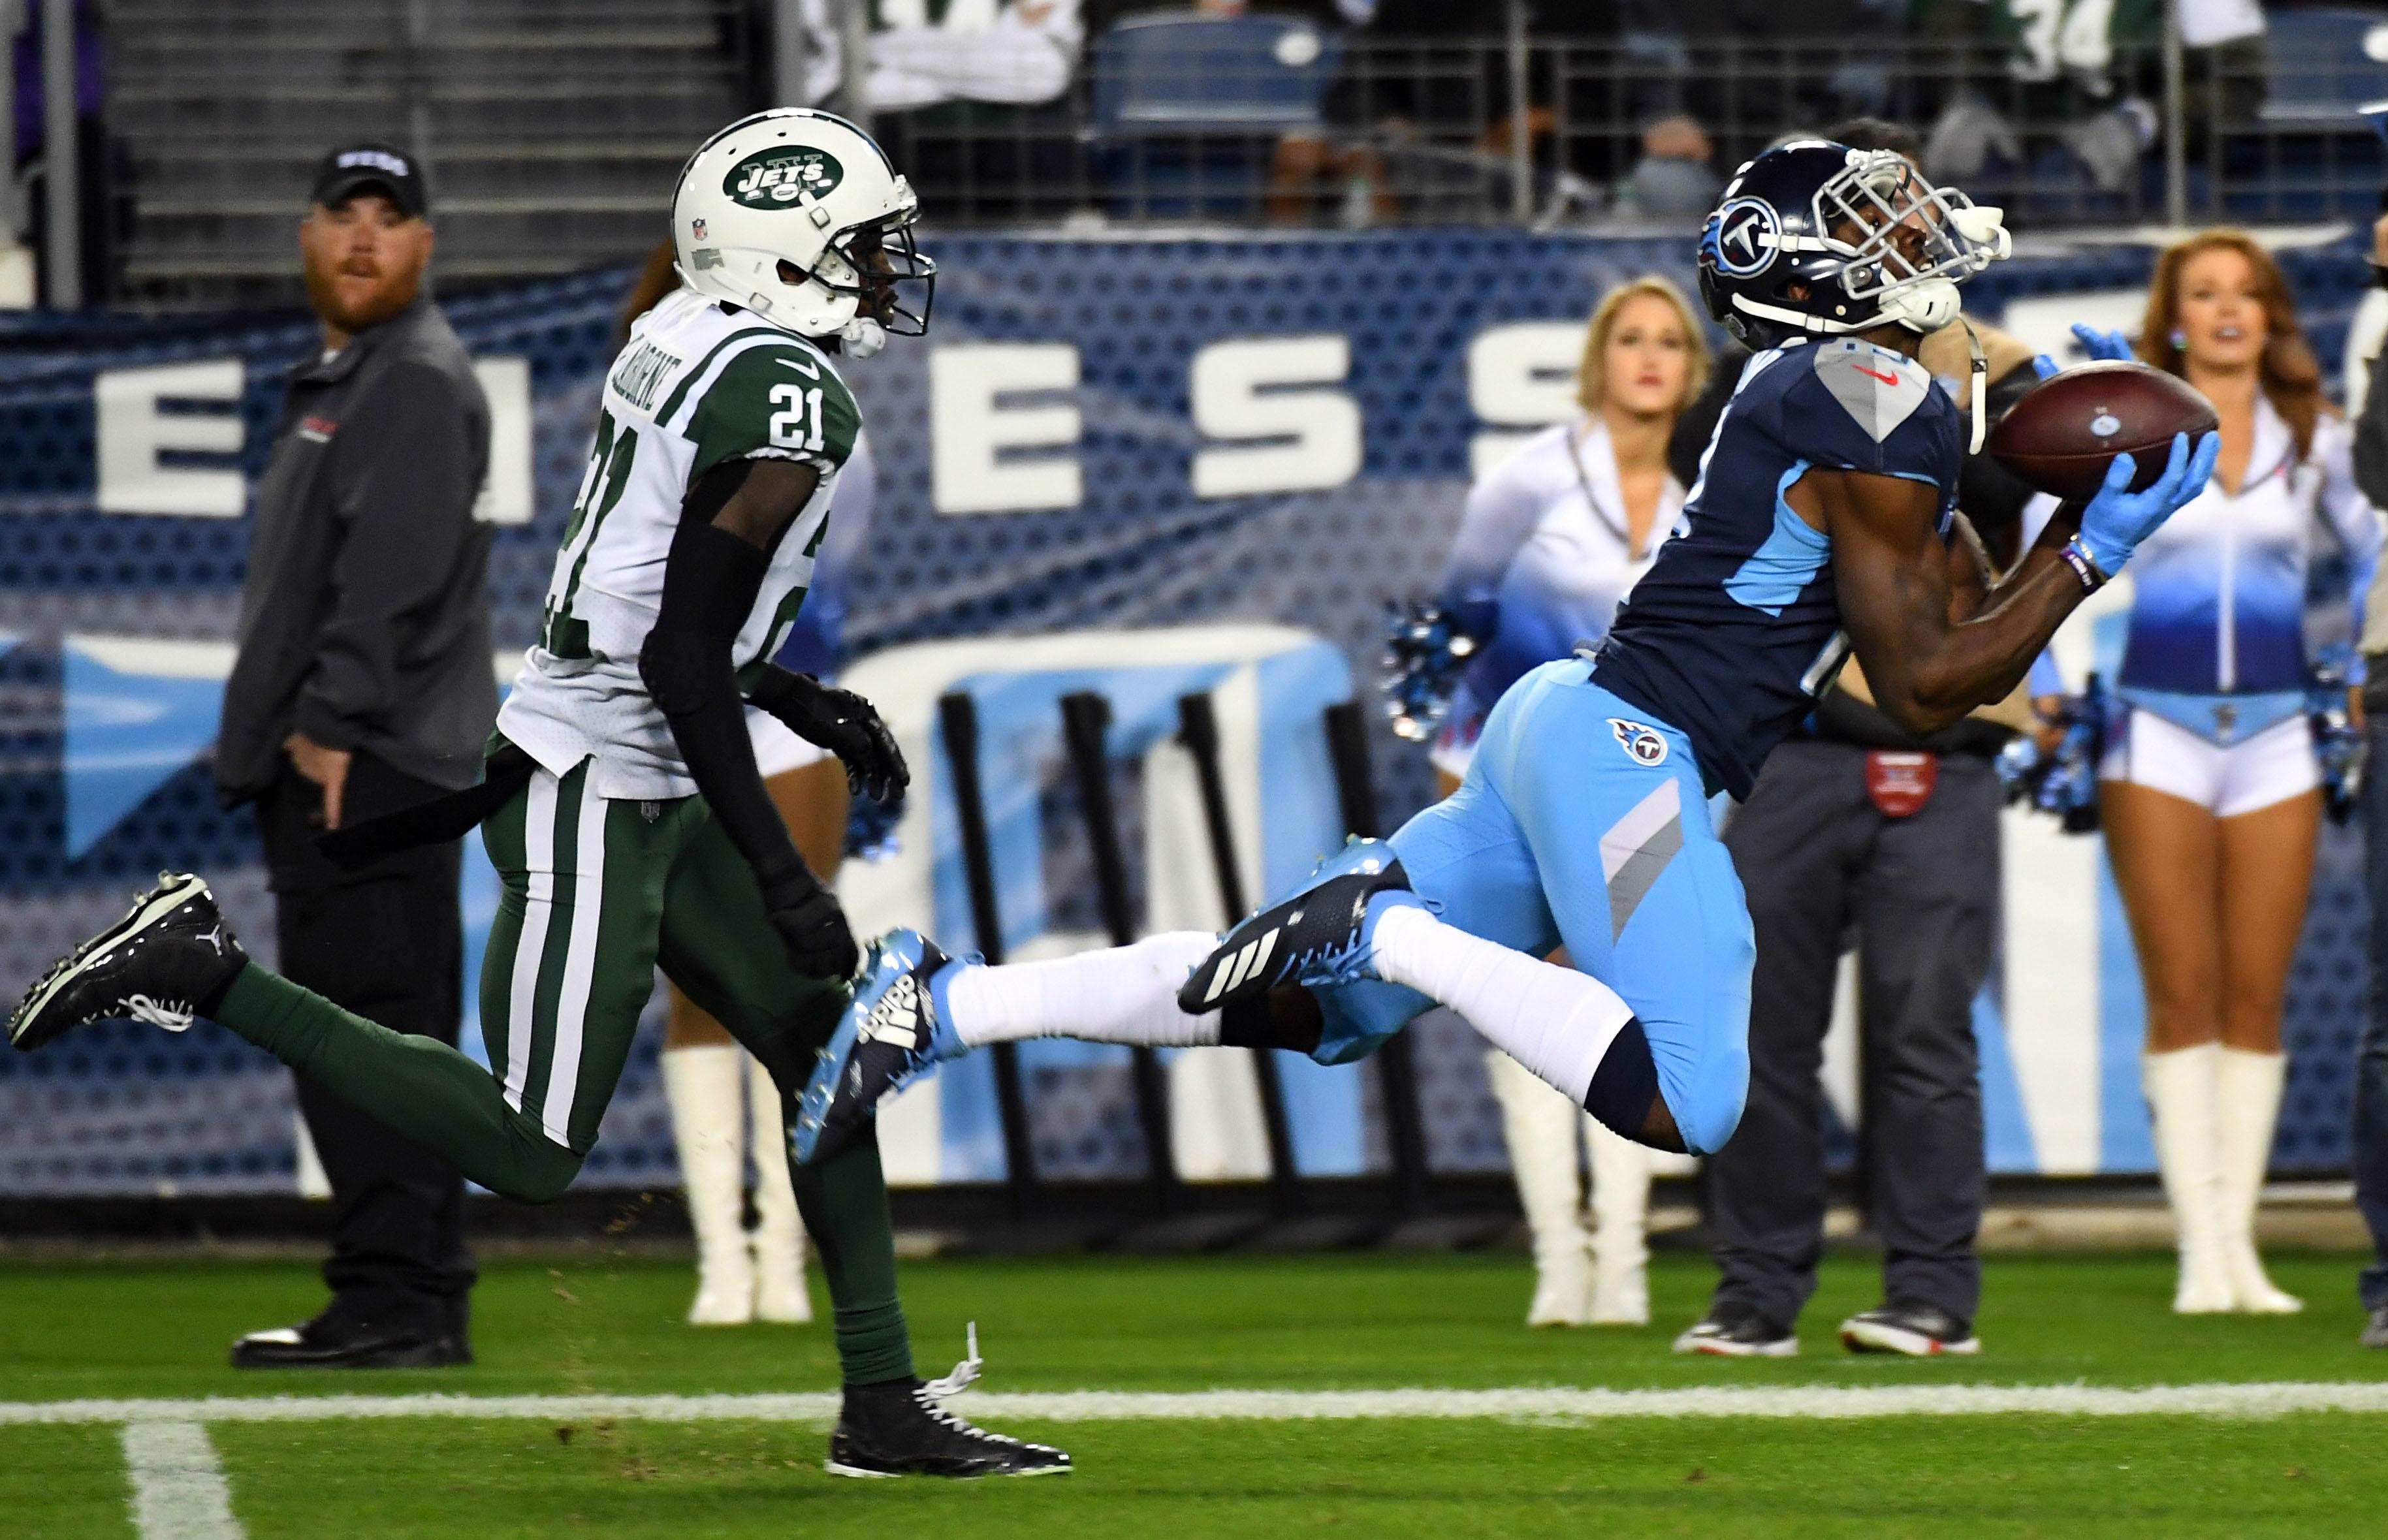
{"points": [[708, 1113], [2183, 1089], [1539, 1124], [1621, 1211], [2249, 1103], [779, 1295]]}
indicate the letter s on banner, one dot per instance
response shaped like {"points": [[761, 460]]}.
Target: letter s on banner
{"points": [[1522, 375], [1315, 436], [133, 432], [970, 428]]}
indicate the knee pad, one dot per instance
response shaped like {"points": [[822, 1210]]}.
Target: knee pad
{"points": [[1625, 1084]]}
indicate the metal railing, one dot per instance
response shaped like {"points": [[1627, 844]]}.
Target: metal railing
{"points": [[551, 127]]}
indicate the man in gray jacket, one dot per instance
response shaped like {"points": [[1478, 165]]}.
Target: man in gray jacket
{"points": [[2367, 393], [363, 686]]}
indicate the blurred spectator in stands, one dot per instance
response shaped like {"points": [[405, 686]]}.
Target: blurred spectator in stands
{"points": [[1860, 830], [101, 217], [363, 686], [2367, 397], [963, 93], [1422, 109], [2093, 69]]}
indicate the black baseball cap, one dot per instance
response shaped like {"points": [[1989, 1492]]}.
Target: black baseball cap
{"points": [[383, 168]]}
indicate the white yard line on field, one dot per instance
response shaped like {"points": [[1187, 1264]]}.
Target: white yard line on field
{"points": [[1822, 1402], [178, 1484]]}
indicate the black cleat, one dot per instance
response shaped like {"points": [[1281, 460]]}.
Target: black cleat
{"points": [[1319, 936], [1918, 1331], [155, 965], [339, 1339], [1738, 1332], [900, 1428]]}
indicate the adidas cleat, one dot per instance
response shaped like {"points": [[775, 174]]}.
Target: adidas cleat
{"points": [[158, 965], [901, 1429], [888, 1037], [1918, 1331], [1319, 936]]}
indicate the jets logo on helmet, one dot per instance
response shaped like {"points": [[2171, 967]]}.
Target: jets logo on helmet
{"points": [[797, 217], [778, 177], [1742, 237]]}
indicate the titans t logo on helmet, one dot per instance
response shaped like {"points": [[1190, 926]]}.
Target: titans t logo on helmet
{"points": [[1745, 239]]}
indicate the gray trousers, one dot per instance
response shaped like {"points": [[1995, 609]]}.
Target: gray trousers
{"points": [[1821, 861]]}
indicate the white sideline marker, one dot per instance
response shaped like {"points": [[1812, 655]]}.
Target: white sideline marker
{"points": [[1830, 1403], [178, 1484], [179, 1491]]}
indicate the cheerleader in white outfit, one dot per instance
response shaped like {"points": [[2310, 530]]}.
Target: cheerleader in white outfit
{"points": [[2209, 794], [1552, 539]]}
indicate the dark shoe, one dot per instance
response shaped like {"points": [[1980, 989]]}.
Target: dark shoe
{"points": [[336, 1340], [2375, 1333], [1738, 1331], [890, 1035], [155, 965], [1918, 1331], [899, 1429], [1319, 936]]}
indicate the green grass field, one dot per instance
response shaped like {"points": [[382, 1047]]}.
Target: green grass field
{"points": [[1339, 1322]]}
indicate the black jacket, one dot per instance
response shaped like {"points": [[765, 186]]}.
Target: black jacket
{"points": [[364, 618]]}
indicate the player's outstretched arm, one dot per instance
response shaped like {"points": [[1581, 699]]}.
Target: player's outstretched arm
{"points": [[1933, 647], [732, 519]]}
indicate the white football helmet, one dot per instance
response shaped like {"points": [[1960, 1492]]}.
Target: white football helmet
{"points": [[811, 190]]}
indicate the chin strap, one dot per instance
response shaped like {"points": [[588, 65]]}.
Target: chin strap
{"points": [[1980, 393], [861, 337]]}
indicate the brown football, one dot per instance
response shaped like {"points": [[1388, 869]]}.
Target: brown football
{"points": [[2060, 435]]}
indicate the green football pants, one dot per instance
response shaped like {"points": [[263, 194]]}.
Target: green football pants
{"points": [[596, 893]]}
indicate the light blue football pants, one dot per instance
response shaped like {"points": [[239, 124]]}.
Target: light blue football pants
{"points": [[1583, 822]]}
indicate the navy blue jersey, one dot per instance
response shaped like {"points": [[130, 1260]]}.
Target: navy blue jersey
{"points": [[1737, 626]]}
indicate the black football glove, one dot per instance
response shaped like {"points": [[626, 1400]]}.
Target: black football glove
{"points": [[842, 722], [811, 926]]}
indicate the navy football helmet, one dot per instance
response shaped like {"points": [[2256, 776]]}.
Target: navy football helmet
{"points": [[1816, 237]]}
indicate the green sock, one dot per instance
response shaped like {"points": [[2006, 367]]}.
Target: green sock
{"points": [[844, 1201], [421, 1088]]}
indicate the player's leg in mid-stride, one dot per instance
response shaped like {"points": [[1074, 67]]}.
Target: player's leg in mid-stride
{"points": [[1581, 822]]}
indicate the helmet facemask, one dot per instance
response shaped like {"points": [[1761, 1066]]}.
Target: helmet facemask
{"points": [[1904, 244], [869, 263]]}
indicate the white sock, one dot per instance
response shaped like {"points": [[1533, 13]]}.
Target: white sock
{"points": [[1556, 1021], [1120, 994]]}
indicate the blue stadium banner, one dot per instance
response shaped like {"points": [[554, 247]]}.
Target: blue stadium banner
{"points": [[1145, 467]]}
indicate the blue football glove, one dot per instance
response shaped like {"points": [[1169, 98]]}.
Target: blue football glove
{"points": [[2101, 346], [2118, 519]]}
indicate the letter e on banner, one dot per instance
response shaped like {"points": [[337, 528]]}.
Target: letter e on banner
{"points": [[132, 433], [506, 496], [970, 428]]}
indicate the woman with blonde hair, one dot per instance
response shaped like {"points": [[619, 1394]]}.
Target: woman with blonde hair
{"points": [[2209, 792], [1552, 539]]}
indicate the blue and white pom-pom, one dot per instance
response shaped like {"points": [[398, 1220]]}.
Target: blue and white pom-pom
{"points": [[870, 828], [2339, 748], [2062, 782], [1426, 653]]}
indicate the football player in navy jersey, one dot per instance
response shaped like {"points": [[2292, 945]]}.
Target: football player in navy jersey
{"points": [[1823, 522]]}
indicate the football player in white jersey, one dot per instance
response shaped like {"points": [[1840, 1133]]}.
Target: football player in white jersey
{"points": [[622, 807]]}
